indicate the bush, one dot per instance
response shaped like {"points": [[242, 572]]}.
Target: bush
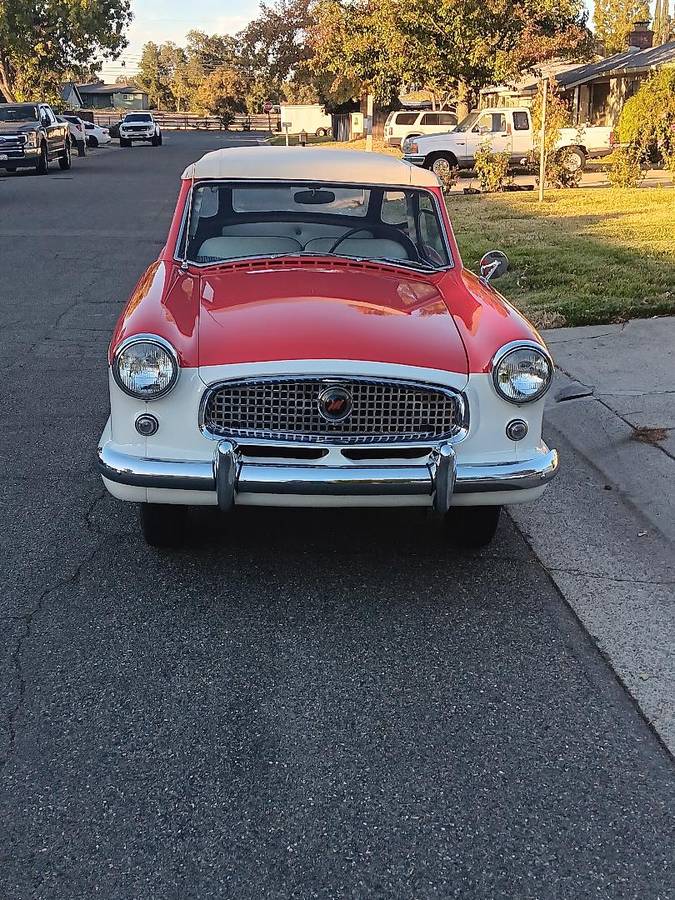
{"points": [[449, 179], [627, 169], [648, 118], [556, 168], [491, 168]]}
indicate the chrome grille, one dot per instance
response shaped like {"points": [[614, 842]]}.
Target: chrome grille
{"points": [[288, 409]]}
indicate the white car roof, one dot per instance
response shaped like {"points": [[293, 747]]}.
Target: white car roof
{"points": [[309, 164]]}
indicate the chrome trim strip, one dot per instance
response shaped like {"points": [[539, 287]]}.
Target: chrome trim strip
{"points": [[290, 438], [226, 473]]}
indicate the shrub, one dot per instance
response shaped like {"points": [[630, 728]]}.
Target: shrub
{"points": [[648, 118], [491, 168], [627, 169]]}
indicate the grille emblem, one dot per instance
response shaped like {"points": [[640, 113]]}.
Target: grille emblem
{"points": [[335, 403]]}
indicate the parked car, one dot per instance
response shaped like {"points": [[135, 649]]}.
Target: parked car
{"points": [[309, 336], [77, 132], [410, 123], [502, 129], [96, 134], [139, 126], [31, 137]]}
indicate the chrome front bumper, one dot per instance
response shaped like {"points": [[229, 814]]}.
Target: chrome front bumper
{"points": [[439, 478]]}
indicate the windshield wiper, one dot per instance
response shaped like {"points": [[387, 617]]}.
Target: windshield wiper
{"points": [[409, 263]]}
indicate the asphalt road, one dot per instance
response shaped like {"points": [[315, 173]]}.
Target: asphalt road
{"points": [[298, 704]]}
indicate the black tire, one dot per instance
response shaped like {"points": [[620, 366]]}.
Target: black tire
{"points": [[441, 163], [42, 166], [163, 525], [65, 159], [81, 148], [159, 139], [320, 132], [125, 142], [92, 141], [472, 526], [575, 160]]}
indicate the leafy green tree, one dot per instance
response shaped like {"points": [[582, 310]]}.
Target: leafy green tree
{"points": [[382, 44], [157, 73], [648, 118], [273, 51], [221, 94], [664, 26], [42, 41], [613, 21]]}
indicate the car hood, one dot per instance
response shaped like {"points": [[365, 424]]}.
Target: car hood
{"points": [[21, 127], [322, 310]]}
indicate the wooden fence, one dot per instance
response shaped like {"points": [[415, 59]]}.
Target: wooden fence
{"points": [[191, 122]]}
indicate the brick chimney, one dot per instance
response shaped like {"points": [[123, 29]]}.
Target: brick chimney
{"points": [[641, 35]]}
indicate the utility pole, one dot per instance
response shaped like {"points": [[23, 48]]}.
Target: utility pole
{"points": [[369, 123], [542, 138]]}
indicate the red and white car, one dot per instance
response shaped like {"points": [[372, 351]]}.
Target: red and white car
{"points": [[309, 336]]}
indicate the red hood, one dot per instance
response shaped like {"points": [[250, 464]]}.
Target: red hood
{"points": [[321, 310]]}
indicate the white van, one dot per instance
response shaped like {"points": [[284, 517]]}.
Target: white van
{"points": [[405, 123]]}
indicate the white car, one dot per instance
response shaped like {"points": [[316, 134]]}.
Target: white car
{"points": [[139, 126], [408, 123], [76, 127], [96, 134]]}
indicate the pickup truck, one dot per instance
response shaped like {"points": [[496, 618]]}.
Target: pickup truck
{"points": [[503, 129], [31, 137]]}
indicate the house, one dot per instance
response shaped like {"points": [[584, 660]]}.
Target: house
{"points": [[595, 91], [112, 96], [71, 96]]}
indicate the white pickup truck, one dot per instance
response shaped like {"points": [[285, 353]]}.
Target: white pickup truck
{"points": [[503, 129]]}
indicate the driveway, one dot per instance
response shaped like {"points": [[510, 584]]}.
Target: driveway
{"points": [[299, 704]]}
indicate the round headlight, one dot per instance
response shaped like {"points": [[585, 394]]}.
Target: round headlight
{"points": [[522, 373], [145, 367]]}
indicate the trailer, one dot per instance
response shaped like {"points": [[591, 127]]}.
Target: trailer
{"points": [[309, 117]]}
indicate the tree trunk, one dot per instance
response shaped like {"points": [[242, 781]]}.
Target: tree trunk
{"points": [[463, 100], [5, 86]]}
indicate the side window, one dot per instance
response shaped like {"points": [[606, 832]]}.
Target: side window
{"points": [[394, 210], [491, 123], [429, 119], [521, 121], [430, 232], [447, 119], [406, 118]]}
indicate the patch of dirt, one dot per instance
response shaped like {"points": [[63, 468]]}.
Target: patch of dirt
{"points": [[649, 435]]}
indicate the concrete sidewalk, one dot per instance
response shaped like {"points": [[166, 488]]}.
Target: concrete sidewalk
{"points": [[606, 528]]}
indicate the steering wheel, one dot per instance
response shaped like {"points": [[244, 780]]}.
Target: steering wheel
{"points": [[344, 238], [400, 238]]}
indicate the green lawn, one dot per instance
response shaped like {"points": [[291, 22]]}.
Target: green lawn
{"points": [[583, 256]]}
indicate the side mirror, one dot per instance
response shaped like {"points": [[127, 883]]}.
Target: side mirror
{"points": [[493, 264]]}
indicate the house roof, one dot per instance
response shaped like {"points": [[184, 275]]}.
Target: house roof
{"points": [[630, 60], [309, 164], [528, 82], [108, 88], [67, 89]]}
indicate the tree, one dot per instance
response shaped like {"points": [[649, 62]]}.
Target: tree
{"points": [[663, 23], [273, 53], [382, 44], [43, 40], [613, 21], [158, 73], [221, 94]]}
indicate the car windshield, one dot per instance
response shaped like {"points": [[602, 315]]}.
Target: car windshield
{"points": [[231, 221], [466, 123], [137, 117], [18, 114]]}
